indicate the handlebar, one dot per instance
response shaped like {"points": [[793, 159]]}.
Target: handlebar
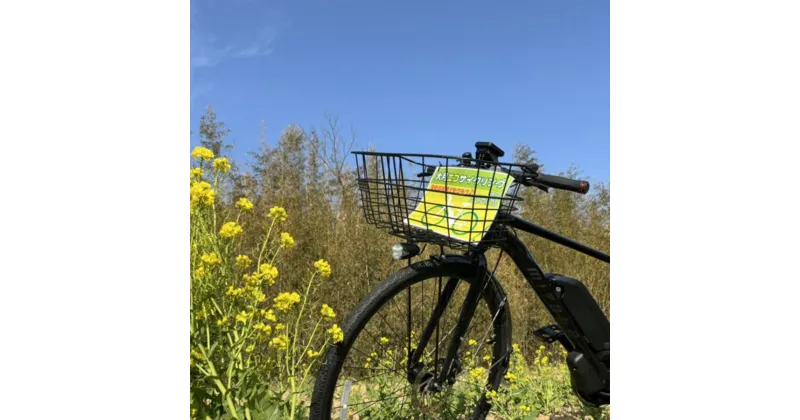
{"points": [[487, 153], [561, 183], [530, 176]]}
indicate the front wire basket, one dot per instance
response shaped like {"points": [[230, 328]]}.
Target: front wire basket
{"points": [[442, 200]]}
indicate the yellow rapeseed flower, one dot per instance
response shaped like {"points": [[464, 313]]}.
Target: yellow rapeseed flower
{"points": [[201, 314], [196, 173], [286, 240], [201, 193], [471, 342], [323, 268], [384, 340], [544, 360], [525, 409], [230, 229], [312, 354], [269, 315], [280, 342], [242, 317], [285, 301], [200, 152], [268, 272], [222, 165], [200, 272], [243, 261], [211, 258], [258, 295], [510, 377], [327, 312], [250, 348], [233, 291], [487, 358], [244, 204], [222, 321], [251, 280], [279, 327], [278, 213], [491, 394], [477, 372], [336, 334]]}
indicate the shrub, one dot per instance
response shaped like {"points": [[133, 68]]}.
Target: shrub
{"points": [[250, 356]]}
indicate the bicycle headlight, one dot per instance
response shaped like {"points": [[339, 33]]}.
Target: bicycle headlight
{"points": [[404, 251]]}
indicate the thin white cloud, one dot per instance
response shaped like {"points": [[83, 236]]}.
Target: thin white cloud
{"points": [[254, 50], [205, 51]]}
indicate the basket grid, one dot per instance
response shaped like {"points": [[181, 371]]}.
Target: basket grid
{"points": [[398, 193]]}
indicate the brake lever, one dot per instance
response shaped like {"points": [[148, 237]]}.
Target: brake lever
{"points": [[544, 188], [531, 172]]}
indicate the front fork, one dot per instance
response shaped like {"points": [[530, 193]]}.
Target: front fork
{"points": [[459, 331]]}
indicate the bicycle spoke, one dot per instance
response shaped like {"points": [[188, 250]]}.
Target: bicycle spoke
{"points": [[391, 329], [488, 329], [373, 402], [432, 309]]}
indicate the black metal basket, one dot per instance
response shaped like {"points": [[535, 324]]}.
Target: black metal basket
{"points": [[443, 200]]}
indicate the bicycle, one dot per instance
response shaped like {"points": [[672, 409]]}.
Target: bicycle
{"points": [[388, 349]]}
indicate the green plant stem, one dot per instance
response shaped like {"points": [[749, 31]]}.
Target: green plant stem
{"points": [[311, 363], [310, 340], [264, 246], [292, 366], [212, 372], [214, 204], [294, 397], [274, 256]]}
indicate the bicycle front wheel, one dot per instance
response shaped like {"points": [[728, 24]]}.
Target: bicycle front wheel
{"points": [[368, 374]]}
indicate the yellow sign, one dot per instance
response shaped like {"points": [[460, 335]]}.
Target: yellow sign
{"points": [[458, 202]]}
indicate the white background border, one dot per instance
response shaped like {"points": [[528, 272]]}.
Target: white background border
{"points": [[704, 131]]}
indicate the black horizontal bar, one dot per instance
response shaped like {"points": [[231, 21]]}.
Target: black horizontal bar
{"points": [[532, 228]]}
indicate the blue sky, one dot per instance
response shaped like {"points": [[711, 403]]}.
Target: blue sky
{"points": [[410, 76]]}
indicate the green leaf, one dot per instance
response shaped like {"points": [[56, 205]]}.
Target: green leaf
{"points": [[532, 416]]}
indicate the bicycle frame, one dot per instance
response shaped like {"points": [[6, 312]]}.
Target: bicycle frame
{"points": [[583, 323], [585, 328]]}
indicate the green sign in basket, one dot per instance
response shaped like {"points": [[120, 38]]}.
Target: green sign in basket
{"points": [[457, 202]]}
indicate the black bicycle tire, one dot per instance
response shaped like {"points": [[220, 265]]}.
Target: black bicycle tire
{"points": [[453, 266]]}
